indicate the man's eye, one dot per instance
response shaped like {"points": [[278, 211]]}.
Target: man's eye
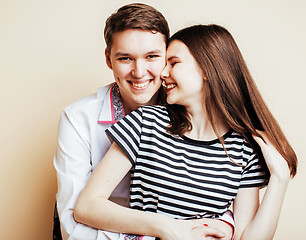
{"points": [[173, 63], [124, 59], [151, 56]]}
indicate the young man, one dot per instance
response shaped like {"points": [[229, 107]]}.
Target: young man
{"points": [[136, 37]]}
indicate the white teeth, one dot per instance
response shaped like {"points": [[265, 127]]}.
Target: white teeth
{"points": [[141, 85], [172, 85]]}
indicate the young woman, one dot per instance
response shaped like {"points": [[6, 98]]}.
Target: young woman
{"points": [[194, 157]]}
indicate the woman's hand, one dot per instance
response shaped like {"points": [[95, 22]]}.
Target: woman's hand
{"points": [[208, 233], [214, 226], [191, 230], [277, 165], [261, 222]]}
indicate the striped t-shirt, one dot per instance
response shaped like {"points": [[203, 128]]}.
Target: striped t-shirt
{"points": [[182, 177]]}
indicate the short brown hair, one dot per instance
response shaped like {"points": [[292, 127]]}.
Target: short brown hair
{"points": [[135, 16]]}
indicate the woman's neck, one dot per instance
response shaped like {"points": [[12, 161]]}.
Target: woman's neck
{"points": [[202, 128]]}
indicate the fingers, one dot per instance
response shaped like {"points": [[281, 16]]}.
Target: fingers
{"points": [[224, 227], [210, 231], [276, 163], [259, 140], [211, 238], [264, 137]]}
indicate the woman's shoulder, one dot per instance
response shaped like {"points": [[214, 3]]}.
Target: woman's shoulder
{"points": [[239, 141], [154, 110], [155, 107], [158, 113]]}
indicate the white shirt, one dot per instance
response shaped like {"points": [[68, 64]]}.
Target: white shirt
{"points": [[82, 143]]}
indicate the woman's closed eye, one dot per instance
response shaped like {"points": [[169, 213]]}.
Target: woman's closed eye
{"points": [[173, 63]]}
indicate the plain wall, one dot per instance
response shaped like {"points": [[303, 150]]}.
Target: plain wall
{"points": [[52, 53]]}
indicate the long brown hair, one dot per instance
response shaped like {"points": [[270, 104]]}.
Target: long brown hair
{"points": [[230, 90]]}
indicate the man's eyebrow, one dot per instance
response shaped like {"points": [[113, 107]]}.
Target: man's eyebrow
{"points": [[154, 51], [157, 51], [121, 54]]}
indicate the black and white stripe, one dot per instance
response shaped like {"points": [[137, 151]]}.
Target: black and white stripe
{"points": [[179, 176]]}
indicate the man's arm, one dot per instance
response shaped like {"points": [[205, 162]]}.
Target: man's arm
{"points": [[73, 165]]}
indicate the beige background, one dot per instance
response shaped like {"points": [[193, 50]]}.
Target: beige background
{"points": [[51, 53]]}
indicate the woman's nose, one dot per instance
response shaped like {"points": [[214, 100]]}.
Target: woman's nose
{"points": [[165, 72]]}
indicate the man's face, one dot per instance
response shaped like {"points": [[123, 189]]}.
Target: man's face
{"points": [[137, 58]]}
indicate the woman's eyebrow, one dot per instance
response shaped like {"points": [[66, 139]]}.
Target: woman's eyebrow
{"points": [[173, 57]]}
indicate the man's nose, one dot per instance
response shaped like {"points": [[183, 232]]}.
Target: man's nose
{"points": [[139, 69]]}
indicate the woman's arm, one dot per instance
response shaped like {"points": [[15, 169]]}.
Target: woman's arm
{"points": [[94, 209], [263, 224], [245, 207]]}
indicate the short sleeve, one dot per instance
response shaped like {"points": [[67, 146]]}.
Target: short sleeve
{"points": [[126, 134], [253, 173]]}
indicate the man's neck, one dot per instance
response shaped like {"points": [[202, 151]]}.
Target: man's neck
{"points": [[130, 106]]}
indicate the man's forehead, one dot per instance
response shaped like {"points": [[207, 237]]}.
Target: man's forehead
{"points": [[139, 42], [136, 35]]}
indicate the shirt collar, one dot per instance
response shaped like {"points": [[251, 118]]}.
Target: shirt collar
{"points": [[112, 108]]}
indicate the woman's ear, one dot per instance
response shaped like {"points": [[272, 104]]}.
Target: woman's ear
{"points": [[108, 61]]}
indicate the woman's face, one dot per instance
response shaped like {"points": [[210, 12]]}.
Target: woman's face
{"points": [[183, 78]]}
